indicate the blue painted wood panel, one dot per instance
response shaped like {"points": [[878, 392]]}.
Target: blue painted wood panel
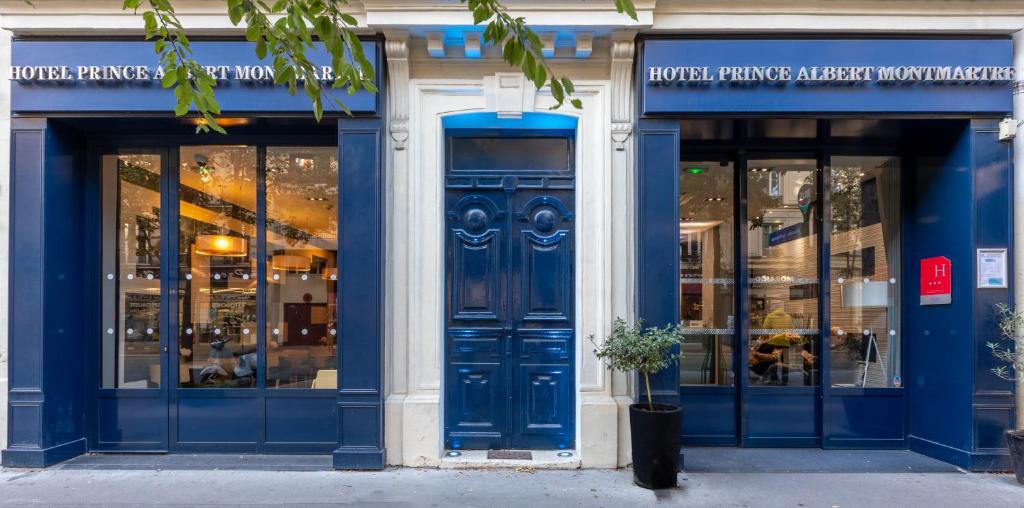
{"points": [[939, 222], [227, 422], [509, 339], [301, 423], [709, 415]]}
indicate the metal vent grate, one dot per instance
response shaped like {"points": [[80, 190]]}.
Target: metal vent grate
{"points": [[509, 455]]}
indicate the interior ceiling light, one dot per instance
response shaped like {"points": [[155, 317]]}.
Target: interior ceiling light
{"points": [[222, 245], [290, 262], [223, 122]]}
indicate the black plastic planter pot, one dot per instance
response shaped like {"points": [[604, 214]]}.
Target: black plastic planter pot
{"points": [[1015, 442], [655, 437]]}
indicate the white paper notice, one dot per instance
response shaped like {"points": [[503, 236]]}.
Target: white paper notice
{"points": [[991, 268]]}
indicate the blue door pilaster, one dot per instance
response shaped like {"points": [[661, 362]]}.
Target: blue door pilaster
{"points": [[46, 404], [361, 295], [658, 241]]}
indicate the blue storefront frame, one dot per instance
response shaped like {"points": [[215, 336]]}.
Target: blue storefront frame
{"points": [[55, 402], [956, 412]]}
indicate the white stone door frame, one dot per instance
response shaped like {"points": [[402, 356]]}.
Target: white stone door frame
{"points": [[414, 407]]}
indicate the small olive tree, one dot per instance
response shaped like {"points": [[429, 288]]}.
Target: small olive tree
{"points": [[1011, 330], [635, 348]]}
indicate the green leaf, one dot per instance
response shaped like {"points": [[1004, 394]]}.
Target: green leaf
{"points": [[480, 15], [252, 33], [181, 109], [557, 92], [131, 4], [169, 79], [149, 22], [235, 14], [627, 7], [349, 20], [576, 103], [567, 84], [261, 49]]}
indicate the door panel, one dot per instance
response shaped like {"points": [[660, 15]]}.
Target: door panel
{"points": [[781, 402], [509, 341], [542, 314], [131, 399], [476, 338]]}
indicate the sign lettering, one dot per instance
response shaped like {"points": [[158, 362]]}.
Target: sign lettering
{"points": [[818, 75]]}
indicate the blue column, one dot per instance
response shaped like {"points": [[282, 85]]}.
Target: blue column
{"points": [[47, 336], [658, 240], [361, 298], [993, 403]]}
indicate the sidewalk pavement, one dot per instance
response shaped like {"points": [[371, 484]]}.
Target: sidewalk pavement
{"points": [[498, 488]]}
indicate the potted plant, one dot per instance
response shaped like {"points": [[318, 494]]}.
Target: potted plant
{"points": [[1011, 329], [654, 428]]}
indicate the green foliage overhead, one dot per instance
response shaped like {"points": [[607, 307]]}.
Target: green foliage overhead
{"points": [[284, 30], [644, 350]]}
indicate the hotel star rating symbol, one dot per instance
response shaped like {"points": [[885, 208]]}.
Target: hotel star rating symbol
{"points": [[936, 280]]}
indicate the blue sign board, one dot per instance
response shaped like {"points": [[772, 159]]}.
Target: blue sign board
{"points": [[827, 76], [88, 76], [786, 234]]}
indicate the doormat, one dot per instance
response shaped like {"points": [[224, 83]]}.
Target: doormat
{"points": [[509, 455]]}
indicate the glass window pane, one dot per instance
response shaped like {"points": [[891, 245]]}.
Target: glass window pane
{"points": [[783, 128], [782, 248], [217, 266], [510, 153], [706, 129], [131, 271], [302, 267], [864, 128], [864, 283], [707, 272]]}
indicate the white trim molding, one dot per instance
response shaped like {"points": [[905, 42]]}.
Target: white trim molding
{"points": [[415, 422]]}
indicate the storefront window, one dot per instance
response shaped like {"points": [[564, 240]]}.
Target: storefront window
{"points": [[131, 271], [706, 129], [707, 272], [782, 128], [864, 241], [217, 267], [302, 267], [782, 249]]}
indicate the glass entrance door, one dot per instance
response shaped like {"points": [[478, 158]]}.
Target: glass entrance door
{"points": [[781, 289], [131, 400], [750, 363]]}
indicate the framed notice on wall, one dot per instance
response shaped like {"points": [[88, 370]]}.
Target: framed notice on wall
{"points": [[992, 268]]}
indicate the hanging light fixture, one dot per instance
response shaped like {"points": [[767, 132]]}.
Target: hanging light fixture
{"points": [[222, 245], [290, 262]]}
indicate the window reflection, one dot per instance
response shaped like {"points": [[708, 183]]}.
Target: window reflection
{"points": [[782, 249], [131, 271], [217, 270], [863, 282], [302, 257], [706, 272]]}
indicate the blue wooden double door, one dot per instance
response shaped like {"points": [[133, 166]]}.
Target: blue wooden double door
{"points": [[509, 338]]}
